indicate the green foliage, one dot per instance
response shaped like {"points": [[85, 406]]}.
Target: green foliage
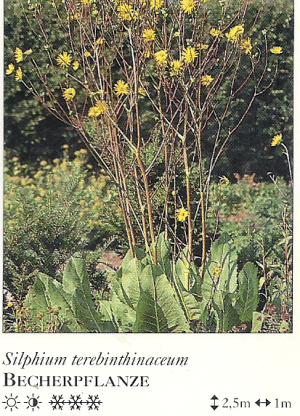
{"points": [[252, 213], [51, 214], [29, 127], [144, 299], [31, 132], [71, 300]]}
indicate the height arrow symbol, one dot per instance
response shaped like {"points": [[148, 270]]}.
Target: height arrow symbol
{"points": [[214, 398]]}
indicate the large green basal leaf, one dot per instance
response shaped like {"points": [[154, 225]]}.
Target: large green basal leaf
{"points": [[76, 283], [47, 294], [227, 315], [247, 297], [163, 254], [190, 306], [123, 315], [223, 257], [130, 283], [158, 309]]}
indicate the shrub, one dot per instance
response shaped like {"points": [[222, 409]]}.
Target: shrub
{"points": [[51, 214]]}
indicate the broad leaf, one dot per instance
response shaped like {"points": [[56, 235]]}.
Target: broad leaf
{"points": [[247, 298], [158, 309]]}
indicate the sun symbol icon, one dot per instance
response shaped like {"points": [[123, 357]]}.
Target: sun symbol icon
{"points": [[11, 402], [33, 402]]}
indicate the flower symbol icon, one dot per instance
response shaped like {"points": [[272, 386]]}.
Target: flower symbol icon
{"points": [[11, 402]]}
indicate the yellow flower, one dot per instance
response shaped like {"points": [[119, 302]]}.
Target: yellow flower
{"points": [[142, 91], [181, 214], [121, 88], [75, 65], [125, 11], [28, 52], [69, 94], [147, 53], [63, 60], [18, 55], [246, 45], [203, 46], [19, 74], [206, 80], [156, 4], [189, 55], [176, 67], [276, 50], [276, 140], [148, 35], [161, 57], [99, 41], [188, 5], [10, 69], [235, 32], [216, 32], [9, 304], [87, 54], [87, 2], [224, 181], [216, 272]]}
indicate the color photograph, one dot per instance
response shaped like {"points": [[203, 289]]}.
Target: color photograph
{"points": [[148, 167]]}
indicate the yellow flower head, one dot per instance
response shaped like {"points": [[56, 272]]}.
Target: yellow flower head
{"points": [[99, 41], [216, 272], [216, 32], [203, 46], [189, 55], [63, 60], [18, 55], [19, 75], [148, 35], [161, 57], [235, 32], [181, 214], [28, 52], [125, 11], [188, 5], [276, 50], [176, 67], [147, 53], [206, 80], [10, 69], [141, 91], [246, 45], [276, 140], [156, 4], [69, 94], [121, 88], [87, 2], [75, 65], [87, 54], [99, 108], [224, 181]]}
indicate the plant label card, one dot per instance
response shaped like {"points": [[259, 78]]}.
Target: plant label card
{"points": [[149, 187]]}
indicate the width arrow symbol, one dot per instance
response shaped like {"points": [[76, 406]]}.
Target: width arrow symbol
{"points": [[214, 398], [259, 402]]}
